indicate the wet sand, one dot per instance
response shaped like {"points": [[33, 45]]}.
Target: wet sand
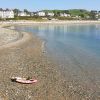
{"points": [[25, 57]]}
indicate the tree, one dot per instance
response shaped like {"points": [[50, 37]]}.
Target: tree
{"points": [[1, 9], [56, 13], [66, 11], [7, 9], [82, 15], [16, 11], [26, 11], [93, 15]]}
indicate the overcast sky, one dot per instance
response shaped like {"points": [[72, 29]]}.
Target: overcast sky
{"points": [[34, 5]]}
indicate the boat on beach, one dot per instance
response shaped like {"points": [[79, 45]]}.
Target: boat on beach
{"points": [[23, 80]]}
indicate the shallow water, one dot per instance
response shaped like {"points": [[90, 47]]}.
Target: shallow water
{"points": [[76, 48]]}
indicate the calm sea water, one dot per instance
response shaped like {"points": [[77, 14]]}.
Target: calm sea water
{"points": [[75, 47]]}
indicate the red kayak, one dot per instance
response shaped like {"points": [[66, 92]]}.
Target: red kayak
{"points": [[23, 80]]}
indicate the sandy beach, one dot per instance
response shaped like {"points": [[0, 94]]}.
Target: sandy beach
{"points": [[22, 55]]}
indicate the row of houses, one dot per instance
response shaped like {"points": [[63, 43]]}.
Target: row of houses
{"points": [[51, 14], [39, 13], [42, 14], [6, 13], [10, 14]]}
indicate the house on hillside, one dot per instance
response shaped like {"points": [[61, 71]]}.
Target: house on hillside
{"points": [[87, 17], [6, 13], [97, 16], [98, 12], [22, 13], [51, 14], [94, 11], [41, 13], [32, 14], [76, 17], [64, 15]]}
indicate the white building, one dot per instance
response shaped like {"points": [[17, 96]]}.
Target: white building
{"points": [[41, 13], [6, 14], [50, 14], [65, 15], [1, 14], [97, 15], [98, 12], [76, 17], [32, 14], [87, 17], [22, 13]]}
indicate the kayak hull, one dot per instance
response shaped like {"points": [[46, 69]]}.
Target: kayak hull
{"points": [[23, 80], [26, 81]]}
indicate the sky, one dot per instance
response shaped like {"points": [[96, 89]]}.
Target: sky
{"points": [[34, 5]]}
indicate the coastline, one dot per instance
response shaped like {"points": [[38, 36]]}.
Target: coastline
{"points": [[25, 22], [14, 38], [26, 57]]}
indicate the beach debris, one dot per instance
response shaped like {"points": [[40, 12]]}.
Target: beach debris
{"points": [[23, 80]]}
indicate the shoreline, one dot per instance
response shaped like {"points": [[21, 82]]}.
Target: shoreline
{"points": [[26, 57], [15, 38], [24, 22]]}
